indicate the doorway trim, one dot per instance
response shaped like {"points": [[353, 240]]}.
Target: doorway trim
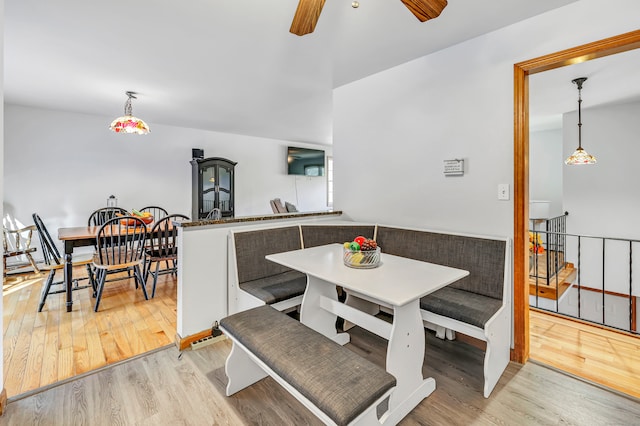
{"points": [[521, 72]]}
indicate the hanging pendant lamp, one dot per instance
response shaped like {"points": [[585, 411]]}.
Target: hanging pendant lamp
{"points": [[580, 156], [128, 123]]}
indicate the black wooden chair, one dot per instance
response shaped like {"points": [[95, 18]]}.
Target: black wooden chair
{"points": [[100, 216], [162, 247], [157, 212], [120, 243], [54, 263]]}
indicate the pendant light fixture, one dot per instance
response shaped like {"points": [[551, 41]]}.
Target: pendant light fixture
{"points": [[128, 123], [580, 156]]}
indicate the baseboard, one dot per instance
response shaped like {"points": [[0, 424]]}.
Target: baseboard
{"points": [[3, 400]]}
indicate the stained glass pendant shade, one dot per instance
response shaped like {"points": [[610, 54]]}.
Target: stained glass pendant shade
{"points": [[580, 156], [128, 123]]}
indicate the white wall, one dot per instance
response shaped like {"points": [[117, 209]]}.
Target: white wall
{"points": [[545, 168], [399, 125], [602, 199], [65, 174], [1, 170]]}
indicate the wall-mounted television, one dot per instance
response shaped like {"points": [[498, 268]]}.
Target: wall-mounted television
{"points": [[305, 161]]}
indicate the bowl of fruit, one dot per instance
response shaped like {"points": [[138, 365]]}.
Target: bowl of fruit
{"points": [[362, 253], [146, 217]]}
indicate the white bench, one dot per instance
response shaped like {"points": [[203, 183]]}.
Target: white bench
{"points": [[334, 383], [478, 305]]}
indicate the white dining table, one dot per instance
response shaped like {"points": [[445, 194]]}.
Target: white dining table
{"points": [[398, 283]]}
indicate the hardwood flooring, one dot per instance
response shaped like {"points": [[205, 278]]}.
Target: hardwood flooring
{"points": [[42, 348], [163, 388], [606, 357]]}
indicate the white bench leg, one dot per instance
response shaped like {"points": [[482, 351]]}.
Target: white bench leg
{"points": [[445, 333], [450, 334], [241, 370], [498, 352]]}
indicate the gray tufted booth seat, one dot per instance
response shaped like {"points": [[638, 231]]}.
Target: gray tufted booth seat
{"points": [[266, 282], [336, 384], [255, 281], [477, 305]]}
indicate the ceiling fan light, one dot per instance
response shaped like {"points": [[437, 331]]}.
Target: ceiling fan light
{"points": [[579, 157]]}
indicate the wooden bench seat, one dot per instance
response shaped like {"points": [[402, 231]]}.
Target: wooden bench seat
{"points": [[336, 384]]}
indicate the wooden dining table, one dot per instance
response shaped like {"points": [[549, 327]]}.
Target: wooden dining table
{"points": [[77, 236]]}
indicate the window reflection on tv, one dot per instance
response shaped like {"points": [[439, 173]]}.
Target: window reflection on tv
{"points": [[305, 161]]}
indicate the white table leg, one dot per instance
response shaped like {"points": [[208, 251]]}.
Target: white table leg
{"points": [[405, 355], [313, 316]]}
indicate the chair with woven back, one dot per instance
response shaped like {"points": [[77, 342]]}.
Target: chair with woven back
{"points": [[157, 212], [162, 247], [54, 263], [120, 243]]}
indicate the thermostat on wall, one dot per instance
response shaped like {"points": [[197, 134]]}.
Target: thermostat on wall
{"points": [[453, 167]]}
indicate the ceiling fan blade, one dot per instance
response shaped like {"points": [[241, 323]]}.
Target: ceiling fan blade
{"points": [[424, 9], [306, 17]]}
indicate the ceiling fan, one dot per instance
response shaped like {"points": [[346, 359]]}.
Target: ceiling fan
{"points": [[308, 12]]}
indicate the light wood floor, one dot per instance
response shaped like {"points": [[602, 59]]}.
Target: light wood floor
{"points": [[41, 348], [606, 357], [163, 388]]}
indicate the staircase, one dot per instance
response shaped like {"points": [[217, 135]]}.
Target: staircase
{"points": [[552, 289]]}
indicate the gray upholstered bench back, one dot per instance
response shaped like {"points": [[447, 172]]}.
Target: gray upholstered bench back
{"points": [[252, 246], [319, 235], [261, 278], [339, 382], [483, 258]]}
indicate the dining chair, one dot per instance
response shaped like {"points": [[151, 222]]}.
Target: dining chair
{"points": [[157, 212], [120, 243], [163, 247], [54, 263], [100, 216], [17, 242]]}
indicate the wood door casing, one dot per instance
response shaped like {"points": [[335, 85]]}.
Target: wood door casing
{"points": [[522, 70]]}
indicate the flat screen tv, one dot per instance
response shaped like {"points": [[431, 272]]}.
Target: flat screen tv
{"points": [[305, 161]]}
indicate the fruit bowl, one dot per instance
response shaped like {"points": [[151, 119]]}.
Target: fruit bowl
{"points": [[146, 219], [361, 259]]}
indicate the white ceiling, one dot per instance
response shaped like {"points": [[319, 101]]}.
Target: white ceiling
{"points": [[224, 65], [610, 80]]}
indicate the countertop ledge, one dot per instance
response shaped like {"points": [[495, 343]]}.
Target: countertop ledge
{"points": [[225, 221]]}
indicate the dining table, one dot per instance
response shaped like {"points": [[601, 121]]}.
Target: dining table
{"points": [[397, 283], [72, 237]]}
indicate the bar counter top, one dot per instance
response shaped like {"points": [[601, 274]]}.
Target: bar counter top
{"points": [[244, 219]]}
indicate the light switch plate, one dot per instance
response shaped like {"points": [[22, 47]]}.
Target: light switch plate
{"points": [[503, 191]]}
